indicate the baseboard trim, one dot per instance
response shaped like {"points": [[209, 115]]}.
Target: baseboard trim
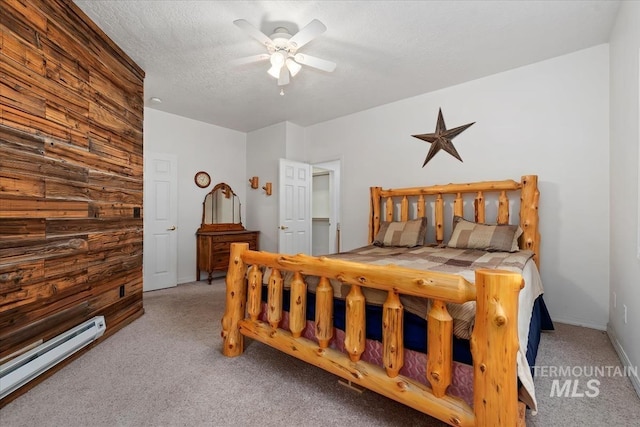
{"points": [[596, 326], [611, 333], [188, 279]]}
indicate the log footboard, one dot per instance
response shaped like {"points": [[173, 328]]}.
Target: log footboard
{"points": [[494, 342]]}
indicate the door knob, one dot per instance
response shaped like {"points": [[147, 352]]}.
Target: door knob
{"points": [[283, 227], [172, 228]]}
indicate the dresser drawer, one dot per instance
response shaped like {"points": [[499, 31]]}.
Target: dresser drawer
{"points": [[230, 238], [221, 246], [253, 242], [220, 260], [213, 249]]}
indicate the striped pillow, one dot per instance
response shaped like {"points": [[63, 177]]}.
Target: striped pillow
{"points": [[402, 234], [486, 237]]}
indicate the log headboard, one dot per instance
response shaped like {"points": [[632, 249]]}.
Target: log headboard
{"points": [[439, 201]]}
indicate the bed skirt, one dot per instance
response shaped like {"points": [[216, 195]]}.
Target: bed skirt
{"points": [[415, 341]]}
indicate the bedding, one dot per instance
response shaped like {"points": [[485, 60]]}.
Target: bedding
{"points": [[402, 233], [486, 237], [461, 262], [415, 340]]}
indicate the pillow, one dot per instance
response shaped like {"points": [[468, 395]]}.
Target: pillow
{"points": [[403, 234], [493, 238]]}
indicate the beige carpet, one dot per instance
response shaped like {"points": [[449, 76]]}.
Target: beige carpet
{"points": [[166, 369]]}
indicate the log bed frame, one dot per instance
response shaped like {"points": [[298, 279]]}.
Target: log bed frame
{"points": [[494, 342]]}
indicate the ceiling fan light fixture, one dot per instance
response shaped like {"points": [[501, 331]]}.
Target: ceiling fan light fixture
{"points": [[277, 58], [274, 71], [293, 66], [284, 77]]}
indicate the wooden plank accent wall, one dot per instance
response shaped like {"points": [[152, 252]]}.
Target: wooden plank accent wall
{"points": [[71, 113]]}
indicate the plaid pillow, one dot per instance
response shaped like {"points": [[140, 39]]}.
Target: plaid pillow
{"points": [[403, 234], [493, 238]]}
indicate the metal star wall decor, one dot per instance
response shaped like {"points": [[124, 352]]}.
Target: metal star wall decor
{"points": [[441, 139]]}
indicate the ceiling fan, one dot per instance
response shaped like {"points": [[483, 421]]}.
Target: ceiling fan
{"points": [[282, 50]]}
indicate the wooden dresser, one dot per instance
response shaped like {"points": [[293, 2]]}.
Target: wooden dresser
{"points": [[213, 249]]}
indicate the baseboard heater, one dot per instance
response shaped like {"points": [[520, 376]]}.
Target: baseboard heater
{"points": [[18, 371]]}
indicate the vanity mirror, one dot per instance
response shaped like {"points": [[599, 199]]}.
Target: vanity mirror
{"points": [[221, 210]]}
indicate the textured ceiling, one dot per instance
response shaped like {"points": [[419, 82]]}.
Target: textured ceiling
{"points": [[384, 50]]}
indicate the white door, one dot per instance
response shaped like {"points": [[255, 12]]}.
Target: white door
{"points": [[160, 254], [294, 235]]}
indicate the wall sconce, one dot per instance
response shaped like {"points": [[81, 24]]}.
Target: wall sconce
{"points": [[254, 182], [267, 188]]}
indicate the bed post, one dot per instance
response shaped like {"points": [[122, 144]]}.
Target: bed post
{"points": [[494, 346], [233, 341], [374, 213], [529, 220]]}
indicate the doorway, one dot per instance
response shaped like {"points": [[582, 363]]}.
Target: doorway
{"points": [[325, 230]]}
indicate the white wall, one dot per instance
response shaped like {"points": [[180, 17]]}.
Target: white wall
{"points": [[198, 146], [549, 118], [264, 149], [294, 140], [625, 218]]}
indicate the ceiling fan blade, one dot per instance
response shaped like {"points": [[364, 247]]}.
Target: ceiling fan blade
{"points": [[312, 61], [284, 77], [253, 31], [312, 30], [250, 59]]}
